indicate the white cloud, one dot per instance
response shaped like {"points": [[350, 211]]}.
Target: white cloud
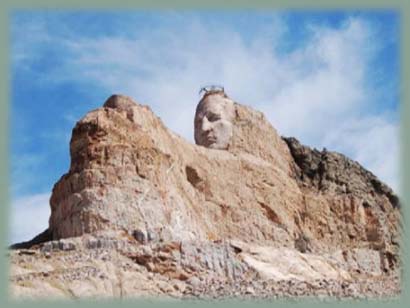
{"points": [[319, 92], [29, 217], [371, 140]]}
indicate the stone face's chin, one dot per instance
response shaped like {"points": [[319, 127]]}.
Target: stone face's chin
{"points": [[217, 146]]}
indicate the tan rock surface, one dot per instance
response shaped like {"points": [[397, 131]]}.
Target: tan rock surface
{"points": [[300, 214]]}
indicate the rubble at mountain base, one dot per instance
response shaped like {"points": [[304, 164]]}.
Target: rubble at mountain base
{"points": [[118, 266]]}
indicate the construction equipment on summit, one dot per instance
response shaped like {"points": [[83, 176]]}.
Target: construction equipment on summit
{"points": [[212, 89]]}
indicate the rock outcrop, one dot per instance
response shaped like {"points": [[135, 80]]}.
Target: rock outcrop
{"points": [[268, 216]]}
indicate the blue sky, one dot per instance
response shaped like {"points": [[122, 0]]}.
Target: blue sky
{"points": [[329, 78]]}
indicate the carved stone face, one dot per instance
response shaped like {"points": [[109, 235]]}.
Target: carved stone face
{"points": [[213, 121]]}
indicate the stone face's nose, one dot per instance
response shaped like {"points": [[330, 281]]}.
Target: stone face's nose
{"points": [[206, 125]]}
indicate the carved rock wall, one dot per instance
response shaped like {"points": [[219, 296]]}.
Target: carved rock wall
{"points": [[129, 172]]}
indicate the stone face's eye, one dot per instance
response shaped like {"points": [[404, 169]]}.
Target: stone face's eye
{"points": [[213, 117]]}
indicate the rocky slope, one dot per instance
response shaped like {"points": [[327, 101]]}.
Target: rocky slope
{"points": [[142, 212], [112, 264]]}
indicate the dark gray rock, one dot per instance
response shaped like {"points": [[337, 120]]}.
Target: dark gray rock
{"points": [[331, 170]]}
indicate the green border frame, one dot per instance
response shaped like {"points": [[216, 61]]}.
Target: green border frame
{"points": [[402, 6]]}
